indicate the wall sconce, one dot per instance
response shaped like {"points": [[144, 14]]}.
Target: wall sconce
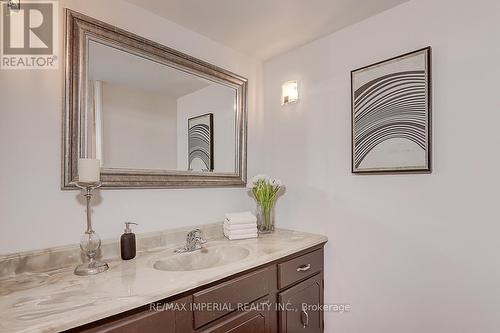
{"points": [[289, 92]]}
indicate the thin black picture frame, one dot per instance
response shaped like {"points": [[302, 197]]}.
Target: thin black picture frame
{"points": [[211, 138], [428, 169]]}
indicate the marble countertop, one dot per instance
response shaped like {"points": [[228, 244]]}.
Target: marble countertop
{"points": [[55, 300]]}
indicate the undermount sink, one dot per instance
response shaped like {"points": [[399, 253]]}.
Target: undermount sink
{"points": [[205, 258]]}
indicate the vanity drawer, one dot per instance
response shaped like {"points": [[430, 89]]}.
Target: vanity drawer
{"points": [[299, 268], [228, 295]]}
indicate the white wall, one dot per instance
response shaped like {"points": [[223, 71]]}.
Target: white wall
{"points": [[139, 128], [410, 253], [34, 212], [220, 101]]}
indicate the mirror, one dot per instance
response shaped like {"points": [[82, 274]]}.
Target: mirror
{"points": [[146, 115], [153, 116]]}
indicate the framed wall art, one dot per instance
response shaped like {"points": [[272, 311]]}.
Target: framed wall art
{"points": [[391, 115], [201, 142]]}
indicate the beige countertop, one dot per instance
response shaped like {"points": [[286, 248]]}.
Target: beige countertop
{"points": [[53, 300]]}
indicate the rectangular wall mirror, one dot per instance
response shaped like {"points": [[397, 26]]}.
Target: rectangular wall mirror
{"points": [[153, 116]]}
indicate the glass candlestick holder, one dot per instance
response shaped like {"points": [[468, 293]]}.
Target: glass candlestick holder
{"points": [[90, 242]]}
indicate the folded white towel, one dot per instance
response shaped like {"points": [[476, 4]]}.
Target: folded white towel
{"points": [[245, 214], [241, 226], [241, 231], [234, 237], [240, 218]]}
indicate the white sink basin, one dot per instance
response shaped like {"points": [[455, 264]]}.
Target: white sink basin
{"points": [[203, 259]]}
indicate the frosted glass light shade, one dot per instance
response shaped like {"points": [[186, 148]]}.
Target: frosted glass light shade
{"points": [[289, 92]]}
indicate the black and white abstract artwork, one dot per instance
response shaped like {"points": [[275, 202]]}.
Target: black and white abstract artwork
{"points": [[200, 143], [391, 108]]}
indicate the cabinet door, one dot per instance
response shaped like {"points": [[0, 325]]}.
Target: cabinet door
{"points": [[300, 307]]}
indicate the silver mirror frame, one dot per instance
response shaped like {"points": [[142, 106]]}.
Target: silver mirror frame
{"points": [[79, 30]]}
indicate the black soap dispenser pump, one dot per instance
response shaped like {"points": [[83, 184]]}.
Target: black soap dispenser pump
{"points": [[127, 242]]}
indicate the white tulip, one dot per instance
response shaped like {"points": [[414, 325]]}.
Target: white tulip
{"points": [[258, 178], [275, 182]]}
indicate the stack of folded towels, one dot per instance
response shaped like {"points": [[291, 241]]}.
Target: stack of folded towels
{"points": [[240, 225]]}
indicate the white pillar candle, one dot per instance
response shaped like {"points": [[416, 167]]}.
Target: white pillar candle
{"points": [[89, 170]]}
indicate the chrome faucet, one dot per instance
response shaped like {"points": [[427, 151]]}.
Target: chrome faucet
{"points": [[194, 240]]}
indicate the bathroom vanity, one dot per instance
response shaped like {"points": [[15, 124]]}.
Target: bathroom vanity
{"points": [[253, 285], [269, 298]]}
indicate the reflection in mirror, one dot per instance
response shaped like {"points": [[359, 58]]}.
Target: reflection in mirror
{"points": [[141, 114]]}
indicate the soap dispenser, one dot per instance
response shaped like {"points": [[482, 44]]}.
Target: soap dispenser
{"points": [[127, 242]]}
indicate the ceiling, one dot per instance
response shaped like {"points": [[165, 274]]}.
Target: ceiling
{"points": [[265, 28]]}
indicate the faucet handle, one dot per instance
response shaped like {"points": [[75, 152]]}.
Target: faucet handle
{"points": [[194, 239], [193, 233]]}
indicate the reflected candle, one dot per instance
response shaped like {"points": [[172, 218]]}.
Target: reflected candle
{"points": [[89, 170]]}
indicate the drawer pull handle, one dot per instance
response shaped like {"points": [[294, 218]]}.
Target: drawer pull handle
{"points": [[304, 268], [304, 318]]}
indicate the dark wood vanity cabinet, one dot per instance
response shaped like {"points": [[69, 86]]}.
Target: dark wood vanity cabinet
{"points": [[302, 313], [300, 302], [280, 297]]}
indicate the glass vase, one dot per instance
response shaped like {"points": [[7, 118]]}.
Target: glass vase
{"points": [[265, 217]]}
